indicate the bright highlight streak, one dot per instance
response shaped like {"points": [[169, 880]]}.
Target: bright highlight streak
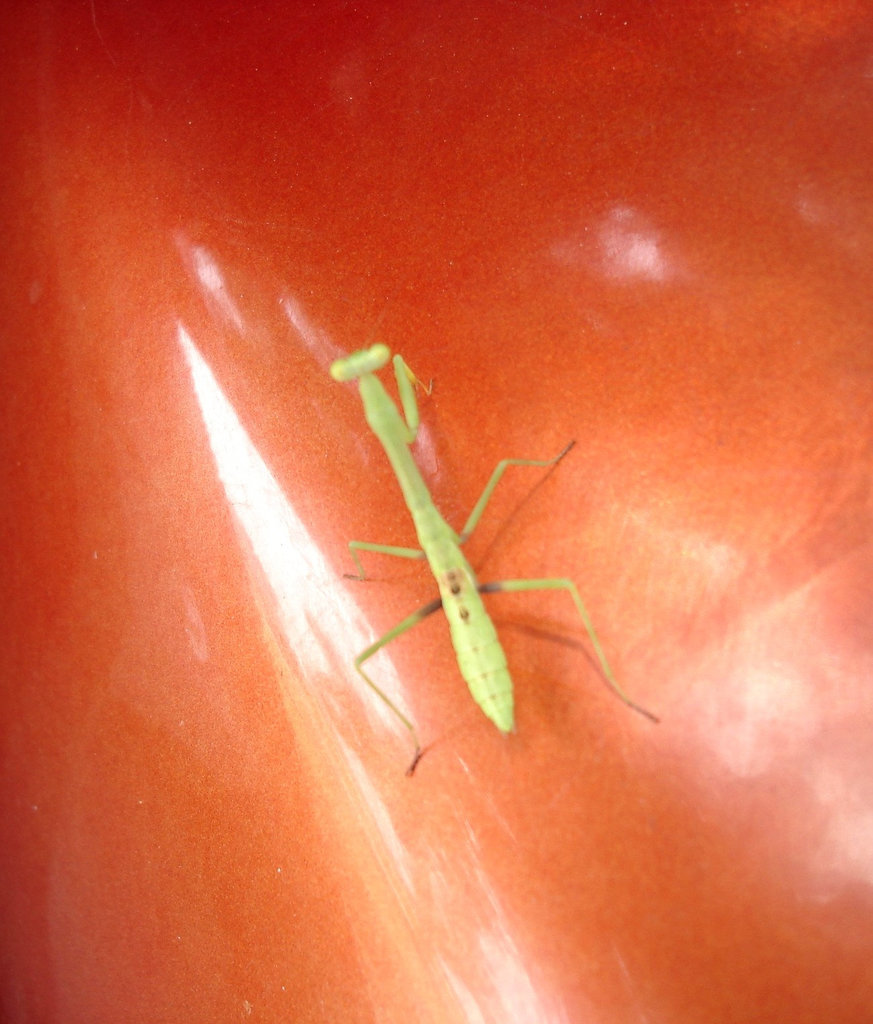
{"points": [[313, 610]]}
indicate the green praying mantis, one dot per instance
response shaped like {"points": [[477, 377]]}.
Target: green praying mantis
{"points": [[480, 655]]}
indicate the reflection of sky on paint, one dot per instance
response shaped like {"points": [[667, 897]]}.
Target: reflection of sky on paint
{"points": [[751, 711], [323, 629], [621, 245], [194, 627], [742, 701], [396, 853], [845, 849], [502, 989], [210, 278], [697, 565], [834, 215], [316, 615], [811, 206], [759, 712], [764, 690], [761, 722], [629, 247], [315, 340]]}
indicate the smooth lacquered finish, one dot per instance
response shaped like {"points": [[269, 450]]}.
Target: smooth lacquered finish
{"points": [[643, 227]]}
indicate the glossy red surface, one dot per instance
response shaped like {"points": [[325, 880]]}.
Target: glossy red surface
{"points": [[643, 226]]}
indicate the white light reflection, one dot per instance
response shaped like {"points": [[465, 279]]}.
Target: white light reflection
{"points": [[310, 609], [630, 247], [502, 982], [397, 853], [194, 627], [211, 280], [753, 714], [623, 246], [844, 852], [317, 343]]}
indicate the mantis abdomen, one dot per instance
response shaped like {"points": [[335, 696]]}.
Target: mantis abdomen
{"points": [[481, 660]]}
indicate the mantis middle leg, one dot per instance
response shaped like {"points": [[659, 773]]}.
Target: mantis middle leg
{"points": [[381, 549]]}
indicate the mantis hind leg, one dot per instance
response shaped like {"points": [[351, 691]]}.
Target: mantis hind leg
{"points": [[392, 634], [509, 586], [499, 470]]}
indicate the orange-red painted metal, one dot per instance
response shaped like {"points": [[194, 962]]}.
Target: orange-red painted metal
{"points": [[645, 227]]}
